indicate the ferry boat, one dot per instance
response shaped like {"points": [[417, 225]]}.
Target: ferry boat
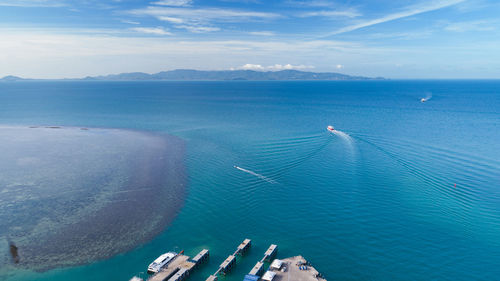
{"points": [[161, 261]]}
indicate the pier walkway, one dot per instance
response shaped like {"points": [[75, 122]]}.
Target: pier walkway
{"points": [[228, 263], [180, 267], [259, 267]]}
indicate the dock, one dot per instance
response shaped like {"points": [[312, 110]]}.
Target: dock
{"points": [[294, 268], [212, 278], [201, 257], [230, 261], [180, 267], [258, 269], [243, 247], [297, 269], [271, 252]]}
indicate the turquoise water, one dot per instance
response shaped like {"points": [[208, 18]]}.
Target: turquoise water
{"points": [[378, 204]]}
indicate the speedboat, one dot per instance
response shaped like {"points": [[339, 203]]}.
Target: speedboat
{"points": [[161, 261], [330, 128], [423, 100]]}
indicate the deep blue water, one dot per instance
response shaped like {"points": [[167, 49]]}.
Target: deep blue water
{"points": [[378, 204]]}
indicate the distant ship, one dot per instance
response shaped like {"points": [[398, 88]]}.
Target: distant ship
{"points": [[423, 100], [330, 128], [161, 261]]}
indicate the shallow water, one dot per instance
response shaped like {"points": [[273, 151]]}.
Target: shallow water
{"points": [[94, 192], [379, 205]]}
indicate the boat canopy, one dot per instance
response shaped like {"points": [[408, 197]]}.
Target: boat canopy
{"points": [[276, 264], [269, 276]]}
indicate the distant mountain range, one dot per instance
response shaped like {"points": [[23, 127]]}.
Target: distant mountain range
{"points": [[11, 78], [222, 75], [189, 74]]}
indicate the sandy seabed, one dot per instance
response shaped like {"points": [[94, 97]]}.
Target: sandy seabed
{"points": [[71, 196]]}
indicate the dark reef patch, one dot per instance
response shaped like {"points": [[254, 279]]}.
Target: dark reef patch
{"points": [[72, 196]]}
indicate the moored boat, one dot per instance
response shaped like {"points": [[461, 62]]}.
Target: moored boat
{"points": [[161, 262]]}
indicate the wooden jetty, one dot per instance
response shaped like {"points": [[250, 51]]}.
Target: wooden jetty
{"points": [[180, 267], [243, 247], [227, 265], [212, 278], [230, 261], [270, 253], [258, 269], [201, 257]]}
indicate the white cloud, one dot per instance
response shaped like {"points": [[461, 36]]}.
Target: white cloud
{"points": [[250, 66], [130, 22], [275, 67], [197, 15], [310, 3], [406, 35], [331, 14], [198, 28], [410, 11], [200, 20], [33, 3], [30, 52], [170, 19], [151, 30], [173, 2], [261, 33], [480, 25]]}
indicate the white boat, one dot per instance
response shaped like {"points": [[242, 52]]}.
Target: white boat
{"points": [[330, 128], [161, 261], [423, 100]]}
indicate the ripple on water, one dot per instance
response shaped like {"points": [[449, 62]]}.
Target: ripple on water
{"points": [[457, 185]]}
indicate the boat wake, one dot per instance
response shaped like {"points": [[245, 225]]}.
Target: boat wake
{"points": [[257, 175], [428, 96], [462, 187], [346, 137], [292, 153], [343, 135]]}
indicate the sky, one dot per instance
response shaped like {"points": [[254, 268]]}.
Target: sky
{"points": [[393, 39]]}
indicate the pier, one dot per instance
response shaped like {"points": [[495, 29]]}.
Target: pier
{"points": [[295, 268], [243, 247], [201, 257], [257, 270], [228, 263], [270, 253], [180, 267]]}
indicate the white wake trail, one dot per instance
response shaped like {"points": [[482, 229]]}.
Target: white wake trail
{"points": [[257, 175], [347, 139], [344, 136], [428, 96]]}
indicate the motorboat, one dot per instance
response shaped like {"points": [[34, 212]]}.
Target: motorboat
{"points": [[161, 262]]}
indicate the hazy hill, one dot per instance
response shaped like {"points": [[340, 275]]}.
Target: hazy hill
{"points": [[11, 78], [218, 75], [189, 74]]}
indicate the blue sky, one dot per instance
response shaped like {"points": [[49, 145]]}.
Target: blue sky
{"points": [[394, 39]]}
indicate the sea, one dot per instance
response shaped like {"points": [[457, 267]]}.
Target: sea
{"points": [[401, 190]]}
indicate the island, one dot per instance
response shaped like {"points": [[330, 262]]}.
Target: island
{"points": [[220, 75]]}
